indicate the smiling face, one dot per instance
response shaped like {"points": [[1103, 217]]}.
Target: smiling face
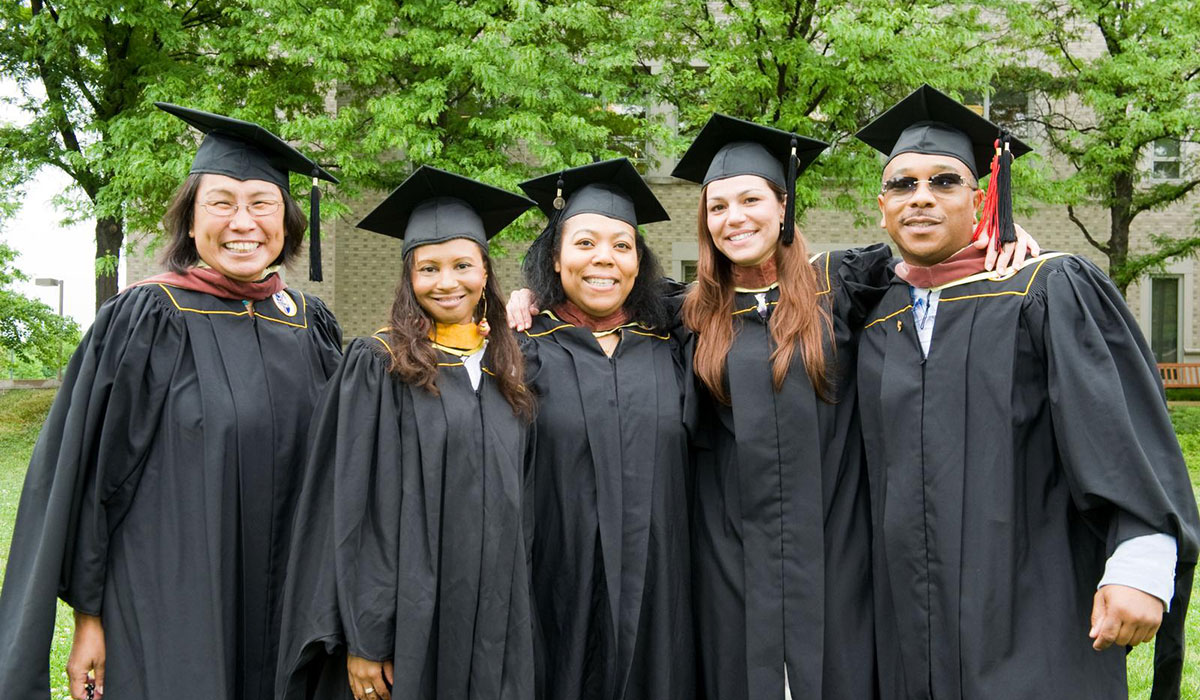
{"points": [[448, 279], [239, 246], [929, 227], [744, 216], [597, 263]]}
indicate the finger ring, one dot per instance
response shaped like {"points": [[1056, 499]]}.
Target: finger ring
{"points": [[369, 691]]}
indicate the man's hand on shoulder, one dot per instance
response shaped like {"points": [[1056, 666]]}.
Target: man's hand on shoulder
{"points": [[1125, 616]]}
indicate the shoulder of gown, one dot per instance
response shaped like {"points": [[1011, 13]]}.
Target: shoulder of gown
{"points": [[325, 324], [856, 278]]}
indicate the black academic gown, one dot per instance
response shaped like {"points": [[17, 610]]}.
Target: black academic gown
{"points": [[782, 534], [1004, 470], [610, 556], [414, 538], [161, 492]]}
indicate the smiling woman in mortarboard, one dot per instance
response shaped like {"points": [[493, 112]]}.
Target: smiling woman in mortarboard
{"points": [[782, 541], [158, 499], [414, 578], [611, 578]]}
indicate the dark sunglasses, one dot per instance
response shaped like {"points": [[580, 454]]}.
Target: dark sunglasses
{"points": [[942, 183]]}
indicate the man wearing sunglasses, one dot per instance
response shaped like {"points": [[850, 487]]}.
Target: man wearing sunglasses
{"points": [[1031, 511]]}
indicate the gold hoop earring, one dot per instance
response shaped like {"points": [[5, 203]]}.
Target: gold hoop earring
{"points": [[484, 326]]}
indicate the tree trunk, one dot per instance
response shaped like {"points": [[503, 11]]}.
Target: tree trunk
{"points": [[110, 234], [1120, 218]]}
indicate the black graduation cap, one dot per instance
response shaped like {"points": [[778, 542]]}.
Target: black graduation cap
{"points": [[928, 121], [728, 147], [610, 188], [433, 206], [246, 151]]}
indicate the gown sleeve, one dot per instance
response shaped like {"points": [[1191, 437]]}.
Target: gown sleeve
{"points": [[673, 294], [82, 476], [863, 276], [341, 584], [328, 334], [1121, 457]]}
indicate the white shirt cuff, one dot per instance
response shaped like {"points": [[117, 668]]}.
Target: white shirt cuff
{"points": [[1146, 563]]}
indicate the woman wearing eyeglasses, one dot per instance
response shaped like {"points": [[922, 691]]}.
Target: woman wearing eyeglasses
{"points": [[781, 529], [159, 497]]}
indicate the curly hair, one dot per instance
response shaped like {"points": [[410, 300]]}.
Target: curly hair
{"points": [[644, 303]]}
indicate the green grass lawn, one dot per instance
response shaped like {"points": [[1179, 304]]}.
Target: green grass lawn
{"points": [[22, 413], [21, 416]]}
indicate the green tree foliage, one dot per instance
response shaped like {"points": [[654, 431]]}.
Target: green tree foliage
{"points": [[32, 335], [821, 68], [88, 73], [1111, 79], [493, 89]]}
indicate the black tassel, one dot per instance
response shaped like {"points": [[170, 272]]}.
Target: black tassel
{"points": [[788, 232], [559, 204], [1004, 204], [314, 233]]}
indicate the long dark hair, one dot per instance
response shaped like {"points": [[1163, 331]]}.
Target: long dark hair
{"points": [[801, 318], [180, 251], [414, 359], [644, 303]]}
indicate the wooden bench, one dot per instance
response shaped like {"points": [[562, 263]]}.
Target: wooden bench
{"points": [[1180, 375]]}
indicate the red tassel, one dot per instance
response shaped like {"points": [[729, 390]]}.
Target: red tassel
{"points": [[988, 223]]}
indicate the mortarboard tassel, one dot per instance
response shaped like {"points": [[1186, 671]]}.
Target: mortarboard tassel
{"points": [[314, 235], [987, 223], [559, 204], [788, 232], [1004, 204]]}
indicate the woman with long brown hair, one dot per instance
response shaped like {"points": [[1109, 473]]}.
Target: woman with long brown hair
{"points": [[413, 578], [781, 538]]}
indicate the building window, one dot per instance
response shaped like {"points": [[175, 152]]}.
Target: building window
{"points": [[1164, 318], [1008, 108], [687, 269], [627, 124], [627, 119], [1165, 165]]}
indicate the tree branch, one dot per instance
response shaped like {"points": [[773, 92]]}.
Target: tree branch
{"points": [[1161, 194], [1168, 248], [1086, 234]]}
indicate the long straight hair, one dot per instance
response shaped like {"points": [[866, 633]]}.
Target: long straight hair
{"points": [[414, 359], [801, 318]]}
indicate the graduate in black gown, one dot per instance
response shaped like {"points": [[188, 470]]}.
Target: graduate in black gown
{"points": [[159, 498], [413, 581], [1031, 509], [781, 533], [610, 556]]}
